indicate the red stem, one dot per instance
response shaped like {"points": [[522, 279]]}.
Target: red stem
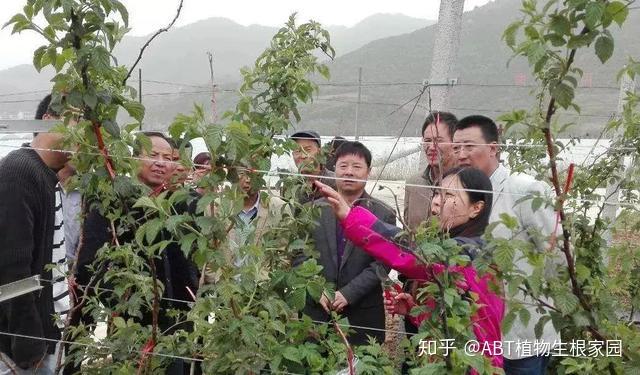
{"points": [[108, 163]]}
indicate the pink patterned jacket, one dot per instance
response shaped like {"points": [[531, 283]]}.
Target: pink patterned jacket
{"points": [[373, 236]]}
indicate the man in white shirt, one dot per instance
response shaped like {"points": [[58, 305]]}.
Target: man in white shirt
{"points": [[476, 145]]}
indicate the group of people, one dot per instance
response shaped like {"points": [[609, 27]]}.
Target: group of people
{"points": [[464, 185], [467, 188]]}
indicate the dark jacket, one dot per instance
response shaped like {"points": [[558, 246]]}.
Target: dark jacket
{"points": [[356, 277], [27, 214], [174, 270]]}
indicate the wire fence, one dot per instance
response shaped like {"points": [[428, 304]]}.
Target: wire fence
{"points": [[279, 173]]}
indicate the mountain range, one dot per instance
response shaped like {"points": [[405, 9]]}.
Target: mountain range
{"points": [[394, 52]]}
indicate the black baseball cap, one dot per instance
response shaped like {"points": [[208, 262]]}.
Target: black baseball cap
{"points": [[307, 134]]}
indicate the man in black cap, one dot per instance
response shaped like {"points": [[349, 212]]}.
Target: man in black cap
{"points": [[307, 157]]}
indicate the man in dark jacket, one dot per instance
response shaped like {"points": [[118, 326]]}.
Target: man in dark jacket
{"points": [[309, 161], [27, 212], [174, 270], [354, 273]]}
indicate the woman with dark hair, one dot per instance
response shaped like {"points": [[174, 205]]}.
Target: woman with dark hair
{"points": [[463, 205]]}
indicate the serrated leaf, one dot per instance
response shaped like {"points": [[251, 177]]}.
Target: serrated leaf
{"points": [[37, 57], [581, 40], [298, 298], [503, 256], [90, 99], [119, 322], [560, 25], [135, 109], [324, 71], [556, 39], [581, 319], [563, 94], [566, 302], [449, 296], [112, 128], [28, 10], [507, 322], [536, 203], [539, 327], [152, 229], [237, 139], [618, 11], [509, 34], [145, 202], [536, 53], [315, 289], [593, 14], [292, 354], [535, 281], [604, 47], [509, 221], [124, 13], [16, 19], [123, 186], [524, 316], [213, 137]]}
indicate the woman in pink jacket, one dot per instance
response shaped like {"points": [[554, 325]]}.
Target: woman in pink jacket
{"points": [[463, 206]]}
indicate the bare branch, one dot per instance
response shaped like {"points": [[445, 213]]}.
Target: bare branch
{"points": [[160, 31]]}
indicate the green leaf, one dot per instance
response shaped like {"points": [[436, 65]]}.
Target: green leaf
{"points": [[509, 34], [292, 354], [566, 302], [604, 47], [237, 139], [536, 52], [123, 12], [124, 186], [525, 316], [618, 11], [112, 128], [581, 40], [145, 202], [581, 319], [536, 203], [213, 137], [555, 39], [37, 57], [531, 32], [563, 94], [135, 109], [90, 99], [509, 221], [28, 10], [507, 322], [560, 25], [449, 296], [298, 298], [324, 71], [152, 229], [503, 256], [16, 19], [583, 272], [593, 14], [315, 289], [119, 322], [539, 327]]}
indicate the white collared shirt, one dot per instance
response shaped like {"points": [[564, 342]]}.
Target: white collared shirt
{"points": [[509, 188]]}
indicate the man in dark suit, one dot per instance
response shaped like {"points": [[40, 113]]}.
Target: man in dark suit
{"points": [[354, 273]]}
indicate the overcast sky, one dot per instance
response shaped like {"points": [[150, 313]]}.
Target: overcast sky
{"points": [[146, 16]]}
